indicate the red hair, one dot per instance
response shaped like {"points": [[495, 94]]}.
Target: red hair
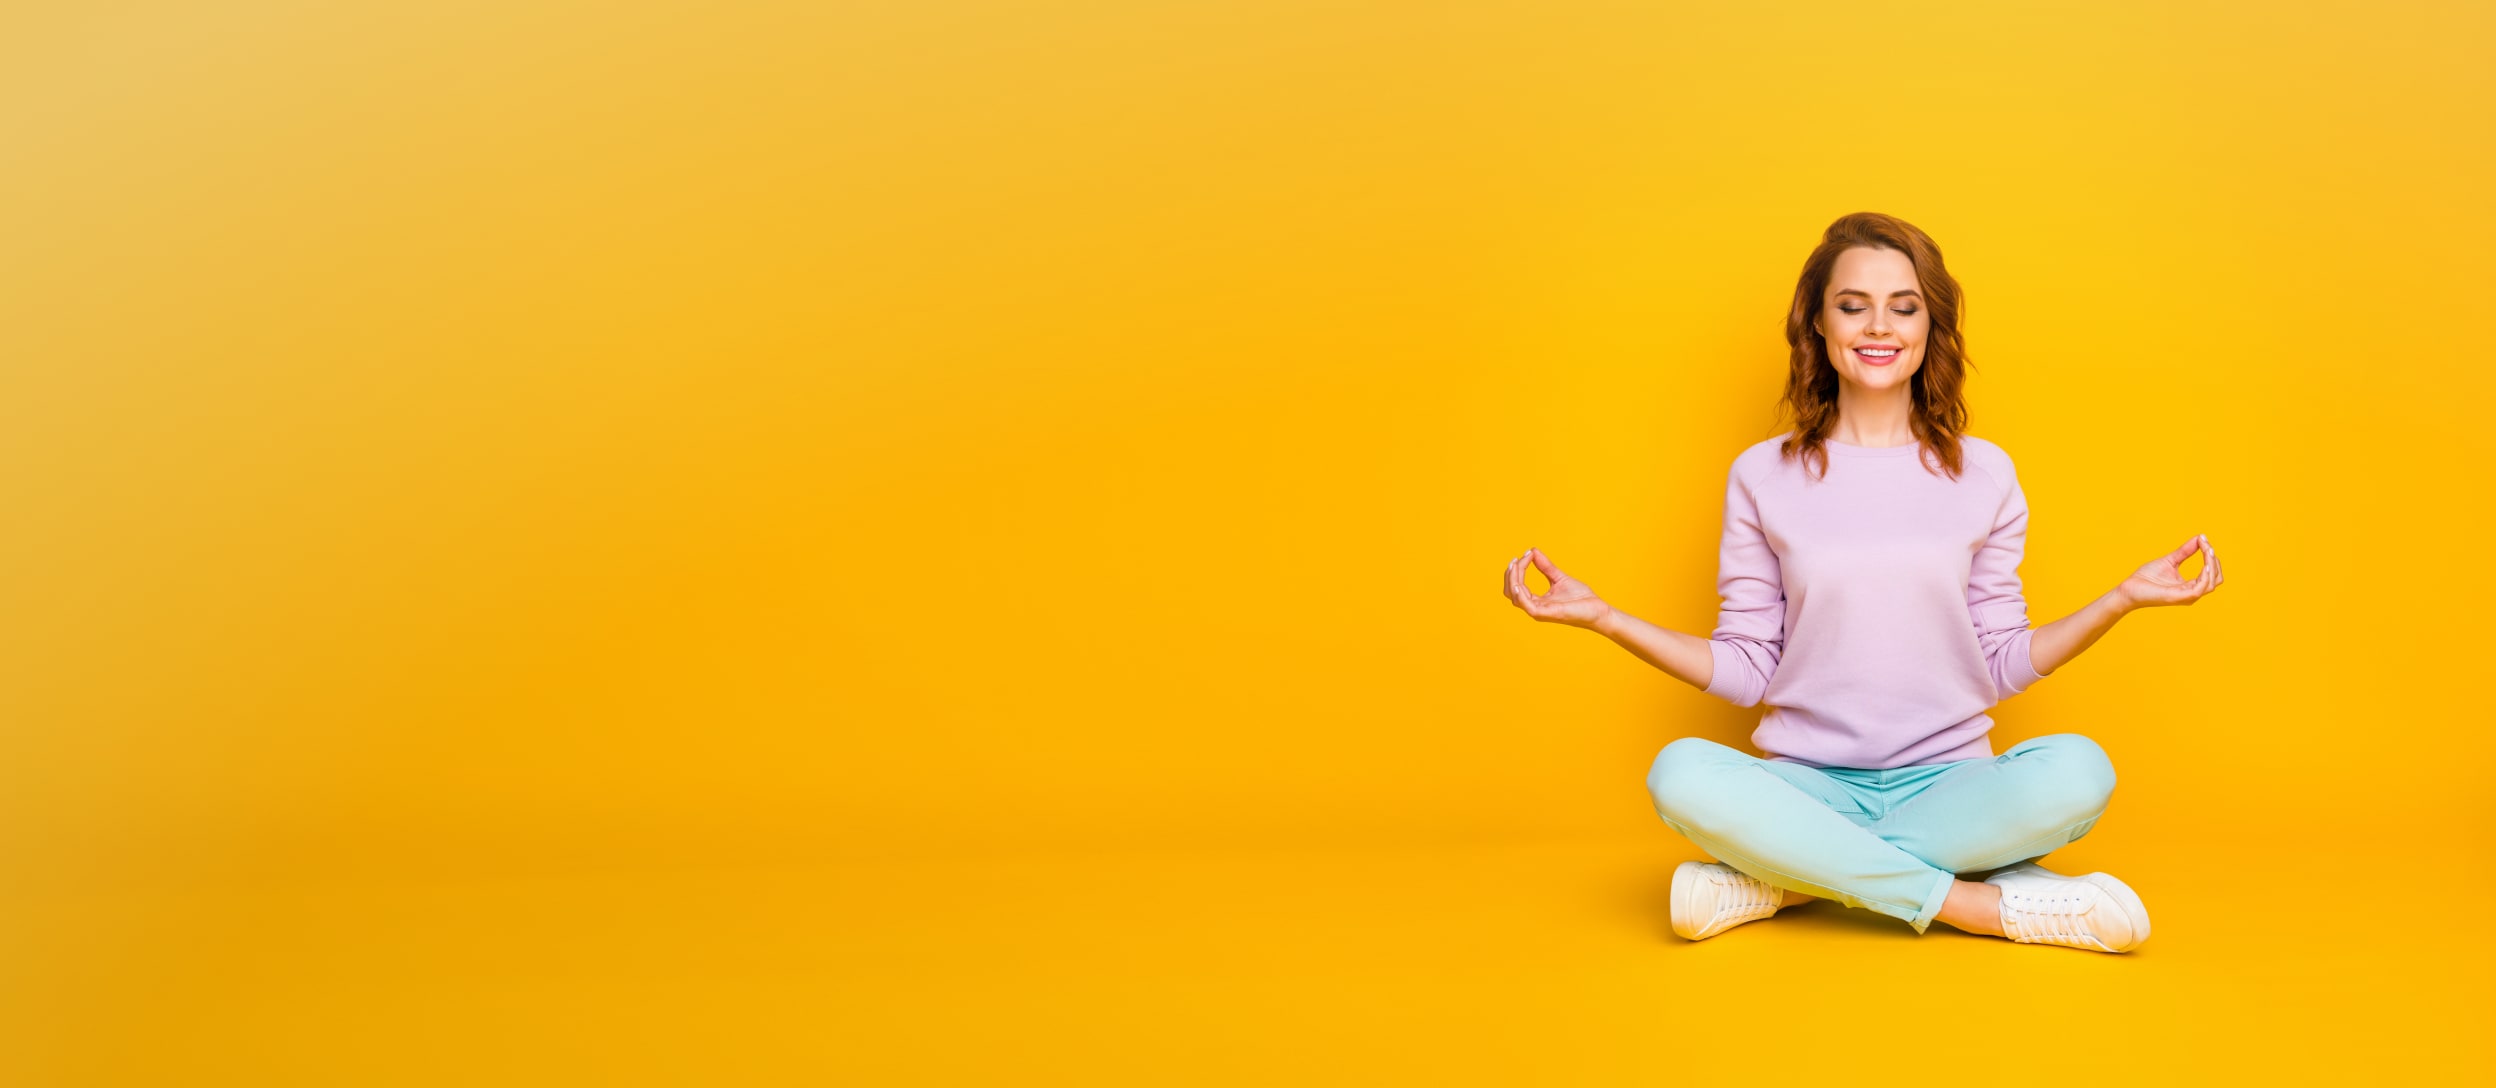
{"points": [[1939, 415]]}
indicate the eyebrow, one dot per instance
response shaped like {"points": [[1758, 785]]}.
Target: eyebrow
{"points": [[1868, 294]]}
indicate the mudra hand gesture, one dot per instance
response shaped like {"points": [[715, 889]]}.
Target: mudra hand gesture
{"points": [[1569, 601], [2162, 581]]}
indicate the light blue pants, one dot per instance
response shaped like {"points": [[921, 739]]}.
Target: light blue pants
{"points": [[1890, 841]]}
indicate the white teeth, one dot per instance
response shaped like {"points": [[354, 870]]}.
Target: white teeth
{"points": [[1878, 351]]}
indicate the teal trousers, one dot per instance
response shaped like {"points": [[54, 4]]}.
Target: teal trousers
{"points": [[1885, 840]]}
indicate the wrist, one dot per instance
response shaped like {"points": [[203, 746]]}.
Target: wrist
{"points": [[2121, 602], [1608, 624]]}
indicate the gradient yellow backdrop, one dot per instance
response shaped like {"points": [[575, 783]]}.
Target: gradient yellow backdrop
{"points": [[697, 543]]}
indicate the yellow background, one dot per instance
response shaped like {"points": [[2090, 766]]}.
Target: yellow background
{"points": [[694, 543]]}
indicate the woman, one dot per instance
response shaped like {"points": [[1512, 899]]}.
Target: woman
{"points": [[1869, 577]]}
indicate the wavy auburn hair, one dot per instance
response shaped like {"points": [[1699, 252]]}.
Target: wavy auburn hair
{"points": [[1939, 415]]}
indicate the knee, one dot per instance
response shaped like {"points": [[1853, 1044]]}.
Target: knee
{"points": [[2083, 778], [1682, 775]]}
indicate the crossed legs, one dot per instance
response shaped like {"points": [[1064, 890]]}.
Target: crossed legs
{"points": [[1892, 842]]}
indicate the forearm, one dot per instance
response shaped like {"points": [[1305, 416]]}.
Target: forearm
{"points": [[1684, 657], [2060, 641]]}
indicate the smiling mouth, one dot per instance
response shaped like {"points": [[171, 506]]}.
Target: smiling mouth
{"points": [[1876, 360]]}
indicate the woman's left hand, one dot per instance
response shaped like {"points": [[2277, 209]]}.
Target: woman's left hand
{"points": [[2161, 580]]}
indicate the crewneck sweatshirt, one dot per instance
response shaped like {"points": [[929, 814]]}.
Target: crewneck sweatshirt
{"points": [[1876, 611]]}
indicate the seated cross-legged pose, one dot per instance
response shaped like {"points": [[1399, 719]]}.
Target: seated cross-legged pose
{"points": [[1870, 597]]}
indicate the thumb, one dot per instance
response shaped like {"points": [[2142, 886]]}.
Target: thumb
{"points": [[1543, 563], [2179, 555]]}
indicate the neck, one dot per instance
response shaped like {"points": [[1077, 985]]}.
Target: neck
{"points": [[1874, 417]]}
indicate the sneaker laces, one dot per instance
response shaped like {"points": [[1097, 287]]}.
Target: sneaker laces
{"points": [[1745, 896], [2058, 915]]}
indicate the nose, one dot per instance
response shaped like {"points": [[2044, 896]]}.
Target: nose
{"points": [[1880, 320]]}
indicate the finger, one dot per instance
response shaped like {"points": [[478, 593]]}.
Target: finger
{"points": [[2209, 572], [2221, 578], [2179, 555], [2199, 547], [1508, 584], [1543, 563], [1516, 579]]}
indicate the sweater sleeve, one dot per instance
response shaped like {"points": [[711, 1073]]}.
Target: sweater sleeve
{"points": [[1994, 600], [1750, 620]]}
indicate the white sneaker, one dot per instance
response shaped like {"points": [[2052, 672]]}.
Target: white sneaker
{"points": [[2097, 911], [1710, 898]]}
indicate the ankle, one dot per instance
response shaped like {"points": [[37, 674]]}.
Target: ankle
{"points": [[1973, 908]]}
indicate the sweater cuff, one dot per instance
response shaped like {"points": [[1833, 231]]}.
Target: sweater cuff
{"points": [[2021, 669], [1726, 681]]}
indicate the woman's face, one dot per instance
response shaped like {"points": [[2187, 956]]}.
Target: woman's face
{"points": [[1873, 304]]}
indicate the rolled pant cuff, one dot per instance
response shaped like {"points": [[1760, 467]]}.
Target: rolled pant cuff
{"points": [[1932, 903]]}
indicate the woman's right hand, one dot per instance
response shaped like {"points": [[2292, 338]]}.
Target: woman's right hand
{"points": [[1569, 601]]}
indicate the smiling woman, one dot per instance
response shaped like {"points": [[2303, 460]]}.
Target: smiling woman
{"points": [[1881, 263], [1875, 316], [1904, 534]]}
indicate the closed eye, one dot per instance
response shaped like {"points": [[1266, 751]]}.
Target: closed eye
{"points": [[1859, 309]]}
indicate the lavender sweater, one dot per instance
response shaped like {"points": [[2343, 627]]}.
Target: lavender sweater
{"points": [[1876, 612]]}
